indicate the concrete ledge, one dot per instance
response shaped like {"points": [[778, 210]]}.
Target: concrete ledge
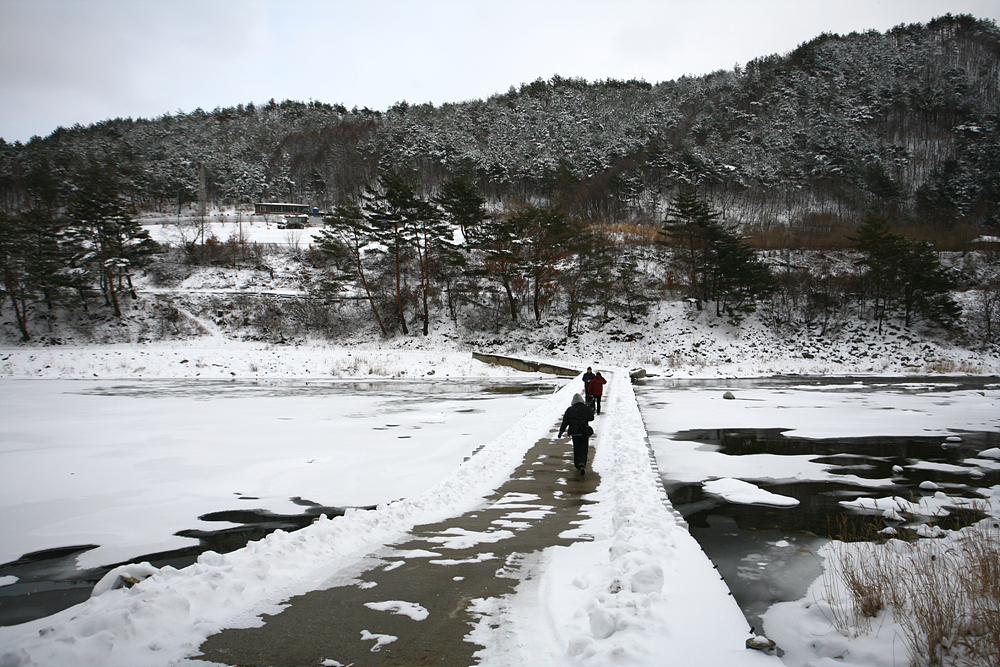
{"points": [[522, 365]]}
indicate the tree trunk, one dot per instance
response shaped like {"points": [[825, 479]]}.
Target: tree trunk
{"points": [[399, 291], [535, 298], [21, 312], [368, 292], [112, 293], [510, 300], [427, 315], [399, 300], [425, 279], [451, 301]]}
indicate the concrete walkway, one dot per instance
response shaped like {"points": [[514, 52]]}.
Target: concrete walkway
{"points": [[408, 603]]}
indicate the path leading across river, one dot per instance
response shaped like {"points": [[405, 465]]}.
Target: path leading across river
{"points": [[551, 568], [512, 559], [410, 604]]}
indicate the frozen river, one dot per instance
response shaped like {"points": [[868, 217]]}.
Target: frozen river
{"points": [[766, 477], [95, 473]]}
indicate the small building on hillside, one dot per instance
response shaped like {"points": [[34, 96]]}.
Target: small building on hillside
{"points": [[991, 243], [280, 208]]}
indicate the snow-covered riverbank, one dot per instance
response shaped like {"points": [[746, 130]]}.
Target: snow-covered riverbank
{"points": [[683, 345]]}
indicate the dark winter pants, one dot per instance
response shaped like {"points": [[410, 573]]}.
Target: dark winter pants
{"points": [[581, 443], [597, 403]]}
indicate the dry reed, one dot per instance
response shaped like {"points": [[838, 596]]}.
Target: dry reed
{"points": [[944, 594]]}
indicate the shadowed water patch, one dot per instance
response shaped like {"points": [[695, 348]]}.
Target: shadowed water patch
{"points": [[49, 581], [766, 554], [873, 457]]}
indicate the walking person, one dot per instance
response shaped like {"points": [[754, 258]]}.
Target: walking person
{"points": [[587, 377], [575, 423], [597, 390]]}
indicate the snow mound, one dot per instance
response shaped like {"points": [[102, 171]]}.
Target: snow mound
{"points": [[745, 493]]}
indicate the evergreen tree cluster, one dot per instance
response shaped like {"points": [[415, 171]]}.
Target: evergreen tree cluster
{"points": [[406, 255], [903, 277], [904, 120], [719, 266], [54, 259]]}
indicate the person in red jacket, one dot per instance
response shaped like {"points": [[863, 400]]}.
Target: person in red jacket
{"points": [[587, 377], [597, 390]]}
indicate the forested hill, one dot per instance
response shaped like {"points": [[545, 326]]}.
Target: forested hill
{"points": [[904, 121]]}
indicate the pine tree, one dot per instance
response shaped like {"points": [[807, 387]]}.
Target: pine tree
{"points": [[881, 263], [627, 292], [14, 263], [392, 209], [690, 229], [583, 277], [718, 264], [544, 235], [496, 245], [927, 286], [463, 205], [34, 263], [117, 244], [740, 277], [432, 240], [902, 274], [344, 240]]}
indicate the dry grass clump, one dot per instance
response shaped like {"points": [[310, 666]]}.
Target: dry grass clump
{"points": [[357, 365], [950, 366], [672, 360], [982, 575], [827, 231], [944, 594]]}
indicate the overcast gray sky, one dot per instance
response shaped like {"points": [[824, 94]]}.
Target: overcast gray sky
{"points": [[81, 61]]}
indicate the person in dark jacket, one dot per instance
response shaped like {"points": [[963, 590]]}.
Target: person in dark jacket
{"points": [[597, 390], [575, 423], [587, 377]]}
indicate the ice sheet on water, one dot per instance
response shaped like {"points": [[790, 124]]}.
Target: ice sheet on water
{"points": [[745, 493]]}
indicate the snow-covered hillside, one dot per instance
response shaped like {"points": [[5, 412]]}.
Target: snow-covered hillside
{"points": [[260, 322]]}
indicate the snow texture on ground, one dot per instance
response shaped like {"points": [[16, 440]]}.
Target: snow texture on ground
{"points": [[641, 592], [127, 464], [630, 594]]}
